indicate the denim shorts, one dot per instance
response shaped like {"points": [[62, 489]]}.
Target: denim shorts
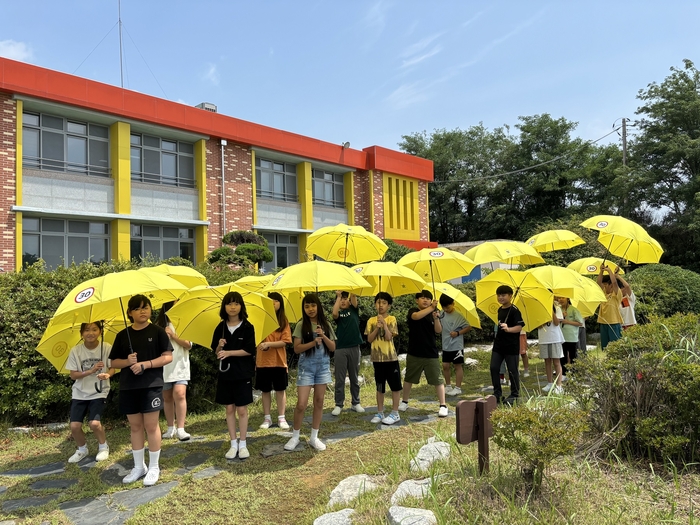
{"points": [[169, 386], [314, 369]]}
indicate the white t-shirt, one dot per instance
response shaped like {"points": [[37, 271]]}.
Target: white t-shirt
{"points": [[548, 334], [179, 368], [81, 359], [627, 312]]}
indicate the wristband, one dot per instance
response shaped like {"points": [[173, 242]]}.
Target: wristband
{"points": [[142, 369]]}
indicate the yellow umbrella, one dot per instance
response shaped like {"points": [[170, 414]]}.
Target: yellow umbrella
{"points": [[58, 339], [196, 314], [437, 264], [316, 276], [343, 243], [591, 266], [389, 277], [292, 300], [182, 274], [532, 298], [625, 239], [254, 283], [551, 240], [566, 282], [463, 304], [509, 252]]}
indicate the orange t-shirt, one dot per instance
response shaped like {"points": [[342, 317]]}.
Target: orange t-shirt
{"points": [[274, 357]]}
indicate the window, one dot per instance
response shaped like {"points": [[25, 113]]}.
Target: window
{"points": [[58, 144], [161, 242], [61, 242], [328, 189], [162, 161], [276, 180], [285, 249]]}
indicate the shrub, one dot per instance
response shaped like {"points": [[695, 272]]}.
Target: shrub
{"points": [[663, 290], [224, 254], [395, 251], [238, 237], [255, 253]]}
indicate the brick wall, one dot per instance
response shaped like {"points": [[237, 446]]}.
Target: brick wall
{"points": [[361, 204], [423, 219], [8, 138], [239, 190], [378, 210]]}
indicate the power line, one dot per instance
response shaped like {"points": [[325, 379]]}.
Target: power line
{"points": [[529, 167], [98, 45], [144, 60]]}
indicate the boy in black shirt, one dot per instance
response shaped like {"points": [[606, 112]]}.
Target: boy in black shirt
{"points": [[506, 345]]}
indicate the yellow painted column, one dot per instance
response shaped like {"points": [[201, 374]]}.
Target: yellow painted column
{"points": [[120, 154], [349, 191], [201, 234], [254, 186], [305, 191], [371, 201], [18, 187]]}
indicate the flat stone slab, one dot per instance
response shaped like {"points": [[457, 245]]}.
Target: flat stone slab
{"points": [[87, 463], [215, 445], [327, 417], [172, 451], [93, 512], [349, 488], [135, 497], [428, 454], [276, 449], [194, 460], [423, 418], [8, 522], [207, 473], [53, 484], [348, 434], [194, 439], [3, 489], [114, 474], [35, 472], [400, 423], [342, 517], [27, 503], [410, 516], [411, 488], [487, 388]]}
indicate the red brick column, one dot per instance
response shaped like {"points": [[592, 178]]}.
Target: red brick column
{"points": [[378, 211], [8, 196], [423, 219]]}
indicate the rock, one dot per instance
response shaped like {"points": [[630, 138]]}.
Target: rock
{"points": [[171, 451], [35, 472], [27, 503], [472, 363], [348, 489], [207, 473], [334, 438], [194, 460], [278, 448], [428, 454], [409, 516], [342, 517], [53, 484], [411, 488]]}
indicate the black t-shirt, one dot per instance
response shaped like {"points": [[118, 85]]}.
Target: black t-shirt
{"points": [[507, 343], [422, 340], [149, 343], [242, 338]]}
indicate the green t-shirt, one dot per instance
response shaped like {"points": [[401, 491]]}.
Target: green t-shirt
{"points": [[348, 330]]}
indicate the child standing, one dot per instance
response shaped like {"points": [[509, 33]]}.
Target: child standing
{"points": [[141, 351], [347, 350], [454, 326], [271, 366], [609, 317], [176, 374], [381, 330], [314, 339], [550, 339], [570, 323], [506, 344], [423, 327], [234, 343], [86, 360]]}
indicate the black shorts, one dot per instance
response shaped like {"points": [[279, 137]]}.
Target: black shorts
{"points": [[239, 393], [387, 372], [140, 400], [271, 378], [92, 407], [456, 357]]}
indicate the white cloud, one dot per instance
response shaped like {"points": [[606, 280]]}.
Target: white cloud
{"points": [[472, 19], [16, 50], [417, 59], [420, 45], [408, 94], [212, 74]]}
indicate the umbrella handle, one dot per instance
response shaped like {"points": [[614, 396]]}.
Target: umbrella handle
{"points": [[221, 361]]}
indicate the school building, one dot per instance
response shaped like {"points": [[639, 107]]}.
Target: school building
{"points": [[95, 172]]}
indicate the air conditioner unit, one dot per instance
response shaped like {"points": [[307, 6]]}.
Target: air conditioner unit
{"points": [[207, 106]]}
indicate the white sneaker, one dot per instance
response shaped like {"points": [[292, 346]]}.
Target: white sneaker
{"points": [[102, 454], [243, 453], [151, 477], [564, 379], [391, 419], [266, 423], [282, 423], [291, 444], [442, 412], [135, 474], [182, 435], [358, 408], [504, 381], [526, 373], [317, 444], [77, 456], [403, 406], [548, 387], [455, 392], [232, 452], [336, 410], [170, 433], [558, 389], [378, 418]]}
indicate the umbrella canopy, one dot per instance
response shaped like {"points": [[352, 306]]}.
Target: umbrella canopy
{"points": [[625, 239], [106, 297], [389, 277], [551, 240], [343, 243], [254, 283], [58, 339], [509, 252], [437, 264], [196, 314], [316, 276], [591, 266], [292, 300], [532, 298], [182, 274], [463, 304], [566, 282]]}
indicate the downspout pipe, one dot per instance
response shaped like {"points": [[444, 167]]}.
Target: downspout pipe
{"points": [[223, 190]]}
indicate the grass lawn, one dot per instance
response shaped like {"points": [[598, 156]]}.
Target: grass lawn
{"points": [[294, 488]]}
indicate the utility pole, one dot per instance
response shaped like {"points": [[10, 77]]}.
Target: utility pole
{"points": [[624, 141], [121, 67]]}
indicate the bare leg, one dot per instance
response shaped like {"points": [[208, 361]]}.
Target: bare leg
{"points": [[459, 374], [557, 369], [136, 426], [281, 398], [180, 399], [267, 403], [407, 390], [150, 422], [98, 430], [76, 430], [231, 421], [242, 421], [319, 394], [302, 402], [169, 407], [440, 389], [395, 398], [380, 402], [446, 373], [548, 370]]}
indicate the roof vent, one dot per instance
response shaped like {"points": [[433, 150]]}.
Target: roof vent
{"points": [[207, 106]]}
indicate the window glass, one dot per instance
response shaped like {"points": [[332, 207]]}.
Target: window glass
{"points": [[169, 171], [151, 142], [151, 231], [187, 251], [293, 254], [136, 161], [136, 230], [183, 147], [48, 121], [135, 247], [78, 227], [52, 250], [76, 127], [53, 225], [52, 148], [151, 162], [98, 250], [282, 256], [30, 119], [168, 145], [77, 153], [152, 247], [78, 250], [136, 140], [30, 224], [186, 168], [171, 249], [99, 156], [99, 228], [170, 232], [283, 239], [30, 249], [186, 233], [99, 131], [30, 144]]}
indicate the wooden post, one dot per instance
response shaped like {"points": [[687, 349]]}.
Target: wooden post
{"points": [[474, 424]]}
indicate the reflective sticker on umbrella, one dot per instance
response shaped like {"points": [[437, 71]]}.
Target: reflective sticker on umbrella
{"points": [[358, 269], [493, 308], [59, 349], [602, 224], [84, 295], [591, 268], [532, 242], [343, 252], [277, 279], [437, 253]]}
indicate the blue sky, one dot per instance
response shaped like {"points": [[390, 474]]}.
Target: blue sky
{"points": [[369, 72]]}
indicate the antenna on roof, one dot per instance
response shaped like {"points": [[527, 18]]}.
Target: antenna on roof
{"points": [[121, 67]]}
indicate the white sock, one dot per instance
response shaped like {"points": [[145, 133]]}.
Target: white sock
{"points": [[234, 443], [268, 416], [170, 429], [153, 458], [279, 418], [102, 446], [314, 433], [138, 458], [83, 448], [241, 444], [295, 433]]}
